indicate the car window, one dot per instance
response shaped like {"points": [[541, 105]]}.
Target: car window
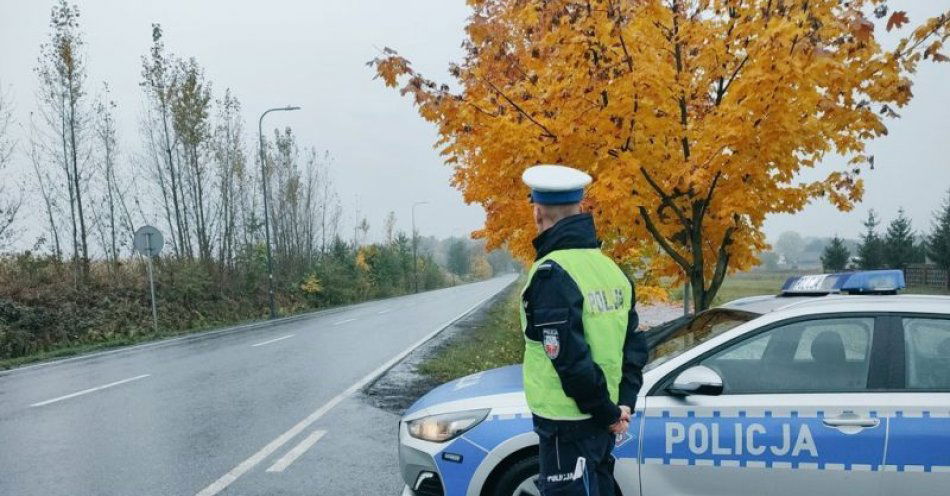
{"points": [[682, 334], [927, 345], [855, 337], [754, 349], [822, 355]]}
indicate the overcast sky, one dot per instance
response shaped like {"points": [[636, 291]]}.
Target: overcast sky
{"points": [[312, 53]]}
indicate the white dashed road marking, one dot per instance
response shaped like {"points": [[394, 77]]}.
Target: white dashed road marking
{"points": [[343, 322], [385, 310], [273, 340], [90, 390], [244, 467], [295, 453]]}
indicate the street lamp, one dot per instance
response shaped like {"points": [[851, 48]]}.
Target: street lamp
{"points": [[415, 262], [270, 262]]}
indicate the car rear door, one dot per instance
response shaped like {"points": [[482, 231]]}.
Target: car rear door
{"points": [[917, 460], [796, 416]]}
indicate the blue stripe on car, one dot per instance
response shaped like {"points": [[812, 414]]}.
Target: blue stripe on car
{"points": [[923, 447], [456, 476], [761, 441], [498, 429], [924, 442]]}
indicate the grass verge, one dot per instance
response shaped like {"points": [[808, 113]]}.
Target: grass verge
{"points": [[496, 342]]}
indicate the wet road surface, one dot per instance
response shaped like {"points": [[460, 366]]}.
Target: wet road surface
{"points": [[258, 410]]}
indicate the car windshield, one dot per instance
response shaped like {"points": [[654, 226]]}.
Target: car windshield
{"points": [[671, 339]]}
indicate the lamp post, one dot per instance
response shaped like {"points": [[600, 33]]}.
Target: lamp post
{"points": [[270, 262], [415, 262]]}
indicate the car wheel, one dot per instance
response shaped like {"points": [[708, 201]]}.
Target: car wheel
{"points": [[518, 479]]}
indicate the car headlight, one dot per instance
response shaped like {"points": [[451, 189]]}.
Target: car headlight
{"points": [[442, 427]]}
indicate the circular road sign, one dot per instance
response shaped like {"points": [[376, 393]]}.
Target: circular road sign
{"points": [[148, 241]]}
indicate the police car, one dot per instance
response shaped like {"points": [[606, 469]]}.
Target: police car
{"points": [[836, 386]]}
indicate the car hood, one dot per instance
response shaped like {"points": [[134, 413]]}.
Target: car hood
{"points": [[486, 383]]}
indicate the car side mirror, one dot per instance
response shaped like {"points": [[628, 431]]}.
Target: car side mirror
{"points": [[698, 379]]}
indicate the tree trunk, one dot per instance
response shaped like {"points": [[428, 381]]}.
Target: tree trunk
{"points": [[110, 186], [47, 201], [172, 176], [71, 193], [180, 171], [201, 223], [84, 245]]}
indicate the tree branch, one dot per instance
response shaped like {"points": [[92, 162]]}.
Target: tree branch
{"points": [[945, 18], [623, 43], [724, 87], [667, 247], [476, 107], [667, 199], [678, 58], [709, 195], [547, 132], [722, 262]]}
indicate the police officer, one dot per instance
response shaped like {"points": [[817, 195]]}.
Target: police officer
{"points": [[583, 356]]}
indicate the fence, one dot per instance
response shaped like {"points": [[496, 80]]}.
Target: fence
{"points": [[926, 275]]}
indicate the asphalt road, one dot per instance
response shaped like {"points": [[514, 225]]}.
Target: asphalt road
{"points": [[260, 410]]}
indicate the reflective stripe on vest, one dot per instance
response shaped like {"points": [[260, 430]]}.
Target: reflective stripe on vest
{"points": [[607, 301]]}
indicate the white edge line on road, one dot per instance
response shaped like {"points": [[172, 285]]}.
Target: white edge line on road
{"points": [[242, 468], [90, 390], [273, 340], [295, 453], [343, 322]]}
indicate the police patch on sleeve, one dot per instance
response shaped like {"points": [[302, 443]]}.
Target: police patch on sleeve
{"points": [[552, 344]]}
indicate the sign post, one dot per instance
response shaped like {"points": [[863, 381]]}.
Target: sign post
{"points": [[149, 242]]}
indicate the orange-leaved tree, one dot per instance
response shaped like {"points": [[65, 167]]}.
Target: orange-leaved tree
{"points": [[693, 116]]}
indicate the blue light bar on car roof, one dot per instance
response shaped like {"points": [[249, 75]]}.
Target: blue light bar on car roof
{"points": [[863, 282]]}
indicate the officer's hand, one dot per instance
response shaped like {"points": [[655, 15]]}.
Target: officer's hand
{"points": [[619, 427], [625, 413]]}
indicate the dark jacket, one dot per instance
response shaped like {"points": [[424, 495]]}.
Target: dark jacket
{"points": [[581, 378]]}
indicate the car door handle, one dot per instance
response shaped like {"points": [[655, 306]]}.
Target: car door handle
{"points": [[851, 422]]}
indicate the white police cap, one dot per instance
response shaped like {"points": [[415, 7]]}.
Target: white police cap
{"points": [[555, 184]]}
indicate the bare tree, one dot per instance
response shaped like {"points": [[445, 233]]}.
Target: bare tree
{"points": [[44, 185], [159, 82], [361, 235], [284, 177], [247, 200], [231, 161], [10, 201], [61, 71], [190, 108], [389, 227], [153, 159], [304, 207], [108, 219], [331, 211]]}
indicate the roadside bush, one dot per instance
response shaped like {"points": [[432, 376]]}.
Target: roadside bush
{"points": [[45, 307]]}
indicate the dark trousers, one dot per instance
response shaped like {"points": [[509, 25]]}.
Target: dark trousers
{"points": [[562, 442]]}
